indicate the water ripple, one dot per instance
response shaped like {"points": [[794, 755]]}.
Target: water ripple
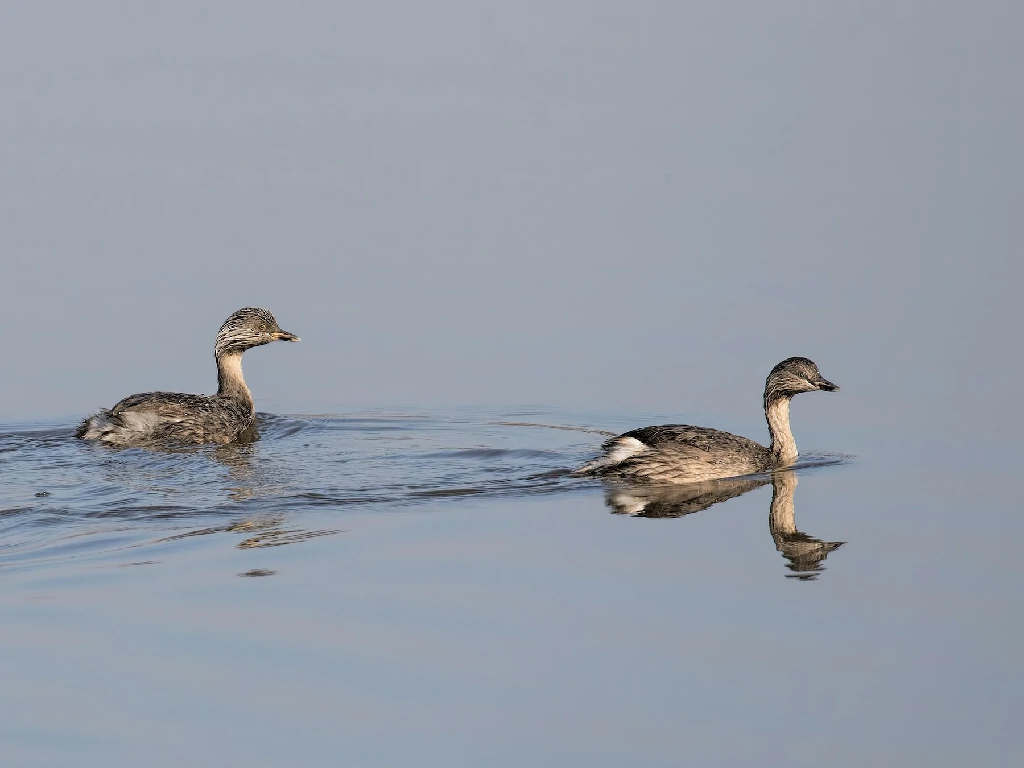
{"points": [[64, 498]]}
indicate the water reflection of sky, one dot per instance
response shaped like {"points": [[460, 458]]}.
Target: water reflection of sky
{"points": [[505, 630]]}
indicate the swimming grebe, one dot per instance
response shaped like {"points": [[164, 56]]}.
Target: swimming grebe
{"points": [[679, 453], [156, 417]]}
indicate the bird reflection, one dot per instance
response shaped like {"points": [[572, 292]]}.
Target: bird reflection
{"points": [[238, 459], [804, 553], [149, 469], [191, 483]]}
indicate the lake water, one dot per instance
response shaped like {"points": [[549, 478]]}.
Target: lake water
{"points": [[426, 588]]}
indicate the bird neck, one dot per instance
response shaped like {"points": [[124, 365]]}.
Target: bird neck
{"points": [[230, 382], [783, 448]]}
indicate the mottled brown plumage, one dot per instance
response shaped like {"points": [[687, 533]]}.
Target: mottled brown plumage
{"points": [[680, 453], [170, 417]]}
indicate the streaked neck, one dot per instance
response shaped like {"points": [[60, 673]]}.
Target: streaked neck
{"points": [[783, 448]]}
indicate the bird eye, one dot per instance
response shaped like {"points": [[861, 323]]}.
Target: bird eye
{"points": [[263, 328]]}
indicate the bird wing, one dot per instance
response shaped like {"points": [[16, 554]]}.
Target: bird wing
{"points": [[166, 405], [683, 436]]}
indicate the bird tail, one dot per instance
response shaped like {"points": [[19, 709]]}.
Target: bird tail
{"points": [[592, 467], [97, 426], [616, 451]]}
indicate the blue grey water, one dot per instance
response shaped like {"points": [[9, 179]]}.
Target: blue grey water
{"points": [[395, 588], [481, 218]]}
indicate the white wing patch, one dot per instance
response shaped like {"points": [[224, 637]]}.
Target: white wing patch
{"points": [[128, 426], [624, 448], [140, 421], [621, 448]]}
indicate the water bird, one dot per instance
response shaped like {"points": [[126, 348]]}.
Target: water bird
{"points": [[170, 417], [680, 453]]}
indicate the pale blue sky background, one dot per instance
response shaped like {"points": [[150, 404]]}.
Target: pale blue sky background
{"points": [[635, 206]]}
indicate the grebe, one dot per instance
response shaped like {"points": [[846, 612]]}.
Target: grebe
{"points": [[158, 417], [679, 453]]}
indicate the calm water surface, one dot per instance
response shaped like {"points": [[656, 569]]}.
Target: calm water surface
{"points": [[425, 589]]}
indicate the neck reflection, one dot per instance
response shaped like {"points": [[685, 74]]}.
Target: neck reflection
{"points": [[805, 554]]}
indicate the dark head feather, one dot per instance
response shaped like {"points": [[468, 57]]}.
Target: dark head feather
{"points": [[247, 328], [793, 376]]}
